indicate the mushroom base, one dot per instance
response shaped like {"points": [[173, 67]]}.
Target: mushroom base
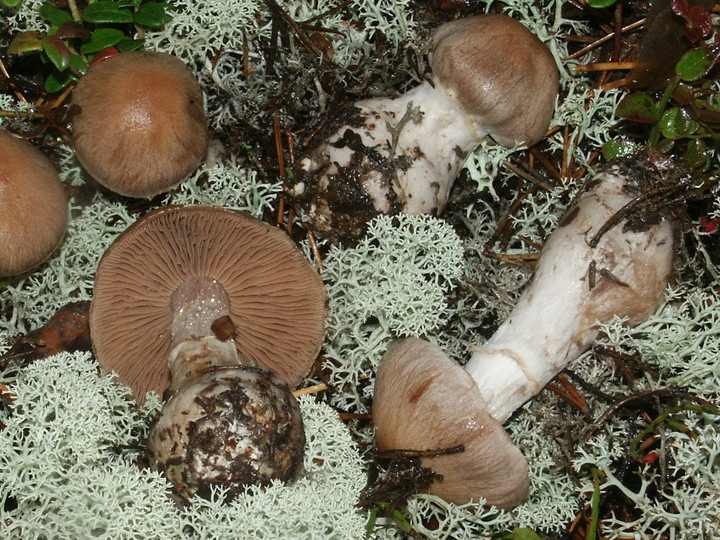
{"points": [[382, 156], [232, 426]]}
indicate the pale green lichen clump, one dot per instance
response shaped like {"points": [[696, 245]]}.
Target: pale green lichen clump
{"points": [[402, 271], [68, 469]]}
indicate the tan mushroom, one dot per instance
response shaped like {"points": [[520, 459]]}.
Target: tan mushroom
{"points": [[214, 304], [178, 269], [490, 76], [425, 401], [501, 74], [33, 206], [140, 128]]}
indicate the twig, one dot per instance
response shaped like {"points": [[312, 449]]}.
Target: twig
{"points": [[605, 38], [529, 176], [314, 389], [607, 66]]}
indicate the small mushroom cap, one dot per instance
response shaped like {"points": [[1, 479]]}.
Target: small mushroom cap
{"points": [[277, 301], [33, 206], [140, 129], [425, 401], [501, 74]]}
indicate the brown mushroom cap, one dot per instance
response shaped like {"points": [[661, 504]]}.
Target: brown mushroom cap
{"points": [[277, 300], [33, 206], [425, 401], [140, 129], [500, 73]]}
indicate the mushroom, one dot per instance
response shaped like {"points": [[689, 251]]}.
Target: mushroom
{"points": [[425, 401], [604, 260], [140, 128], [490, 76], [226, 313], [33, 206]]}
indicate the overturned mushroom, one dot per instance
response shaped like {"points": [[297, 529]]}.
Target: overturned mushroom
{"points": [[140, 128], [490, 76], [601, 262], [33, 206], [425, 401], [224, 311]]}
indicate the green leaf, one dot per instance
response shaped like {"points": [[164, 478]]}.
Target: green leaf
{"points": [[56, 52], [55, 16], [130, 45], [57, 81], [130, 3], [72, 30], [152, 14], [676, 123], [618, 148], [11, 3], [102, 39], [78, 63], [693, 64], [600, 4], [697, 155], [683, 94], [106, 12], [639, 108], [665, 146], [26, 42]]}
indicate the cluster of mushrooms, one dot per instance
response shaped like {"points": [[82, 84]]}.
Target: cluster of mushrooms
{"points": [[223, 314]]}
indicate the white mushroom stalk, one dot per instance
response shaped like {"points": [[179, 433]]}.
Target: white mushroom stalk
{"points": [[412, 147], [402, 154], [590, 271], [228, 421]]}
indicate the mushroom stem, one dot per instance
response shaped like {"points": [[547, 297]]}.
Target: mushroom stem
{"points": [[580, 281], [195, 305], [403, 167], [195, 356], [224, 417]]}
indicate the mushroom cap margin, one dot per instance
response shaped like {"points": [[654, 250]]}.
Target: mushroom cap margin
{"points": [[425, 401]]}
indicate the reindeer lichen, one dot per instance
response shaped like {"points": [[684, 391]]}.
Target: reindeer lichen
{"points": [[401, 273], [69, 469]]}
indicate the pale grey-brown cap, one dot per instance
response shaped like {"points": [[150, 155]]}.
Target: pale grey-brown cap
{"points": [[33, 206], [425, 401], [277, 301], [140, 129], [501, 74]]}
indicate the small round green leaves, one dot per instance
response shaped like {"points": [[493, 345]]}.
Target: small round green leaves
{"points": [[694, 64], [639, 108]]}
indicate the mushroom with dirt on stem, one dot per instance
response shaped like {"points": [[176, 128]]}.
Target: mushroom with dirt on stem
{"points": [[225, 313], [33, 206], [139, 127], [602, 261], [490, 76]]}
